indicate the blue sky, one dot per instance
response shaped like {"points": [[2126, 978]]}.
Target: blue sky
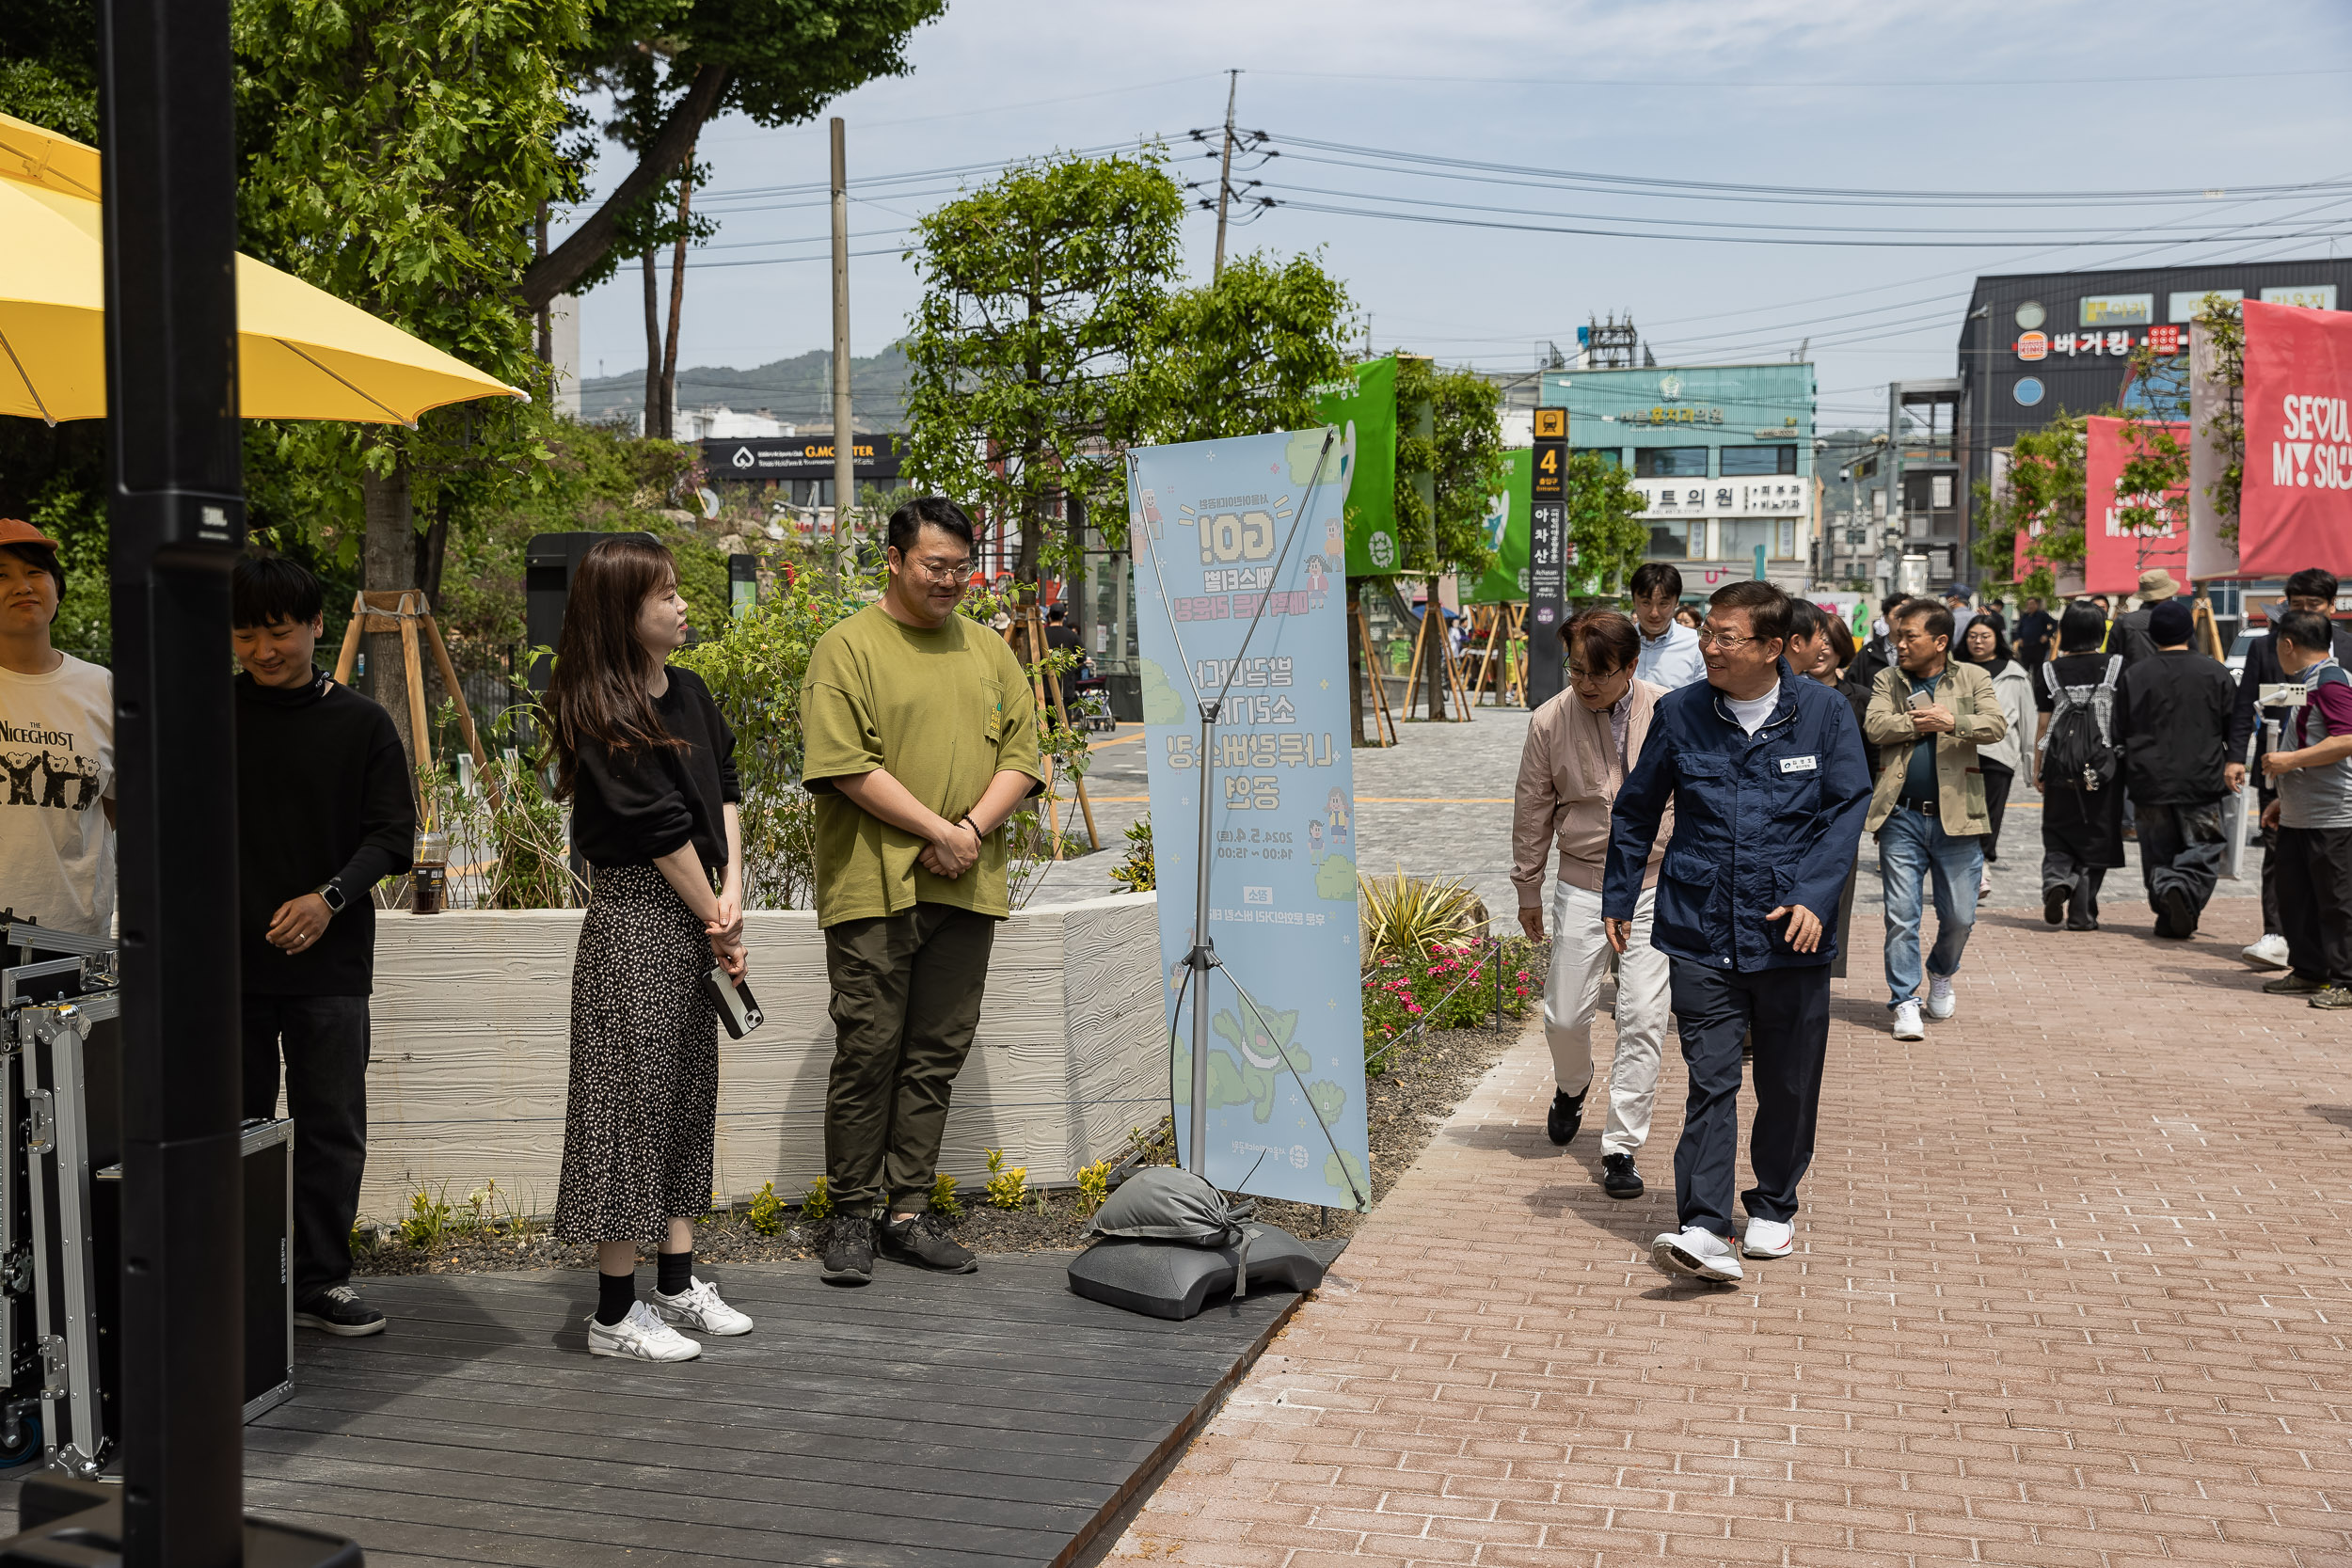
{"points": [[1957, 96]]}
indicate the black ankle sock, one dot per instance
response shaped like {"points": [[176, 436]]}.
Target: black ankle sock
{"points": [[615, 1294], [674, 1271]]}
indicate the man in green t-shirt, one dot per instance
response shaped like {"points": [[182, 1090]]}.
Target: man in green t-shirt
{"points": [[922, 741]]}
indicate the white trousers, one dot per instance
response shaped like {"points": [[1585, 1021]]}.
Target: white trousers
{"points": [[1580, 960]]}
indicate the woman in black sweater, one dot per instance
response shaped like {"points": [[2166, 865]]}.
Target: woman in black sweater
{"points": [[648, 763]]}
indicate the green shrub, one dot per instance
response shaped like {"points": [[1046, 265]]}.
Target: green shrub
{"points": [[1094, 1186], [944, 1203], [817, 1203], [428, 1219], [1136, 873], [766, 1210], [1006, 1185], [1446, 987]]}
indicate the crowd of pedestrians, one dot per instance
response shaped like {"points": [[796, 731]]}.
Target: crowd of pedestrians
{"points": [[1707, 791]]}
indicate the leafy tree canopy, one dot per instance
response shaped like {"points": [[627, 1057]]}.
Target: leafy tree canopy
{"points": [[1463, 457], [1243, 354], [1605, 527], [1038, 288], [672, 66]]}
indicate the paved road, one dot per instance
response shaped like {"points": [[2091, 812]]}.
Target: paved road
{"points": [[2067, 1289]]}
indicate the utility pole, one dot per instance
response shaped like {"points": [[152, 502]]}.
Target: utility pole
{"points": [[844, 470], [1225, 172]]}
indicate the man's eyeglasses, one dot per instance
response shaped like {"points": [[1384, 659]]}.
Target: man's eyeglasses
{"points": [[1710, 638], [940, 571]]}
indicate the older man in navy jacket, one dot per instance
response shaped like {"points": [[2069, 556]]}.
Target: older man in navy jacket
{"points": [[1769, 787]]}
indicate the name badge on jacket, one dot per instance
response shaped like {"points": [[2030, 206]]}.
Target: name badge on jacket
{"points": [[1800, 765]]}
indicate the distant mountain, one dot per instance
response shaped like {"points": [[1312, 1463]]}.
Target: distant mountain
{"points": [[798, 390]]}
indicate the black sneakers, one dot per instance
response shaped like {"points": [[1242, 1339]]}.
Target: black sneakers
{"points": [[850, 1251], [338, 1309], [1618, 1176], [1566, 1116], [2054, 904], [922, 1241]]}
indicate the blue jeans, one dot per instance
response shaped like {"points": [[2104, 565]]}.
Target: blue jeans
{"points": [[1912, 845]]}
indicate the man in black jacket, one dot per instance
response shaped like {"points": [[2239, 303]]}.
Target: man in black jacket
{"points": [[324, 813], [2172, 710], [2314, 590], [2035, 627]]}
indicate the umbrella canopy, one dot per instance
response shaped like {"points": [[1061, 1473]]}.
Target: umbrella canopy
{"points": [[302, 353]]}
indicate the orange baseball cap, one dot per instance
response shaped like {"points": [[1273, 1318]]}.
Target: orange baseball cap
{"points": [[16, 531]]}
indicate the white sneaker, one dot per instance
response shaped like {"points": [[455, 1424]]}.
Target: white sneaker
{"points": [[698, 1308], [1984, 886], [1769, 1239], [1907, 1024], [640, 1336], [1696, 1253], [1941, 1001], [2269, 953]]}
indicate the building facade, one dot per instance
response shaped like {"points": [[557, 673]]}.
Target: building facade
{"points": [[2034, 346], [1722, 453]]}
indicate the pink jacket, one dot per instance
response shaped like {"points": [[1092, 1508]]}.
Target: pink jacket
{"points": [[1569, 779]]}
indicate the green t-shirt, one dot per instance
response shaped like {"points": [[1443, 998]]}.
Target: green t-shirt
{"points": [[944, 712]]}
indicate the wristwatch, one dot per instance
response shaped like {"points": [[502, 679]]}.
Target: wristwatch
{"points": [[330, 893]]}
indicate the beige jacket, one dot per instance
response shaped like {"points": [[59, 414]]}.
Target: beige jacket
{"points": [[1976, 709], [1569, 781]]}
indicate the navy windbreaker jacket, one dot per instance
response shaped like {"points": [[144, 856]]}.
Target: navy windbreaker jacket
{"points": [[1760, 821]]}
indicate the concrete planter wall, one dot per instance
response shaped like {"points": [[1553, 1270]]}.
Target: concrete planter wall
{"points": [[471, 1051]]}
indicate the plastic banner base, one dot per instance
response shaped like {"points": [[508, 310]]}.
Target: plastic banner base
{"points": [[1175, 1280], [79, 1524]]}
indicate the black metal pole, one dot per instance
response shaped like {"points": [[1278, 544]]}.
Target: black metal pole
{"points": [[177, 516]]}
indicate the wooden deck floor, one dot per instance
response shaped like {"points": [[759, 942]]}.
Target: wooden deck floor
{"points": [[984, 1420]]}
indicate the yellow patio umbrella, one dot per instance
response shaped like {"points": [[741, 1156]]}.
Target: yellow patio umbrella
{"points": [[302, 353]]}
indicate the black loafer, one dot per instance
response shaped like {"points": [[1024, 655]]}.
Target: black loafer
{"points": [[2054, 905], [1566, 1116], [1618, 1176]]}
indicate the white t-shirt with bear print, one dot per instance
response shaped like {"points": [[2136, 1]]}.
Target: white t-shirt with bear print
{"points": [[57, 769]]}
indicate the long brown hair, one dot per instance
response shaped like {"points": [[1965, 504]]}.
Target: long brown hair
{"points": [[597, 690]]}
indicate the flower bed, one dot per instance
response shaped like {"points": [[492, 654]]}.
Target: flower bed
{"points": [[1447, 986]]}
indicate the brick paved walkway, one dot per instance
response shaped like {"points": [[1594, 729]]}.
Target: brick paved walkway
{"points": [[2065, 1294]]}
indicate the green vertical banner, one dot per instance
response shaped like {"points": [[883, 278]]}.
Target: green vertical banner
{"points": [[1364, 405], [1505, 582]]}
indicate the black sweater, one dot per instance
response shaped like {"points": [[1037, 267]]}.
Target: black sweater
{"points": [[322, 791], [632, 808]]}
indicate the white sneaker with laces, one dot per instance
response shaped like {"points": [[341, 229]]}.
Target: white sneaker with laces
{"points": [[1768, 1238], [1907, 1024], [2269, 953], [1941, 1001], [1984, 886], [640, 1336], [698, 1308], [1696, 1253]]}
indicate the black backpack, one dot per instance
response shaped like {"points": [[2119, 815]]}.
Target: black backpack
{"points": [[2080, 750]]}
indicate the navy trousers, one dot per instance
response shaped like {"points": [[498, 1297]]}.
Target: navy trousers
{"points": [[1788, 1012]]}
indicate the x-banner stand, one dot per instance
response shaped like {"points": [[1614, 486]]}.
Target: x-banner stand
{"points": [[1203, 956]]}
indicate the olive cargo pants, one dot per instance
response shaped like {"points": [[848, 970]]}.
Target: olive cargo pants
{"points": [[906, 1000]]}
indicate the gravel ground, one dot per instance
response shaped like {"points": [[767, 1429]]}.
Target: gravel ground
{"points": [[1407, 1105]]}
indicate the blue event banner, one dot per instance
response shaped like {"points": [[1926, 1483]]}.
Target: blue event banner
{"points": [[1225, 534]]}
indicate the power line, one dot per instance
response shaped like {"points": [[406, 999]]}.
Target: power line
{"points": [[1718, 85]]}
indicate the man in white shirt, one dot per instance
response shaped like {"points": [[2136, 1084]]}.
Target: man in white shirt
{"points": [[56, 752], [1670, 650]]}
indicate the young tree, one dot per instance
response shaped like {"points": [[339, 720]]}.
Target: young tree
{"points": [[2221, 326], [396, 155], [2045, 489], [1037, 289], [1447, 469], [1605, 528], [1242, 355], [669, 67]]}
